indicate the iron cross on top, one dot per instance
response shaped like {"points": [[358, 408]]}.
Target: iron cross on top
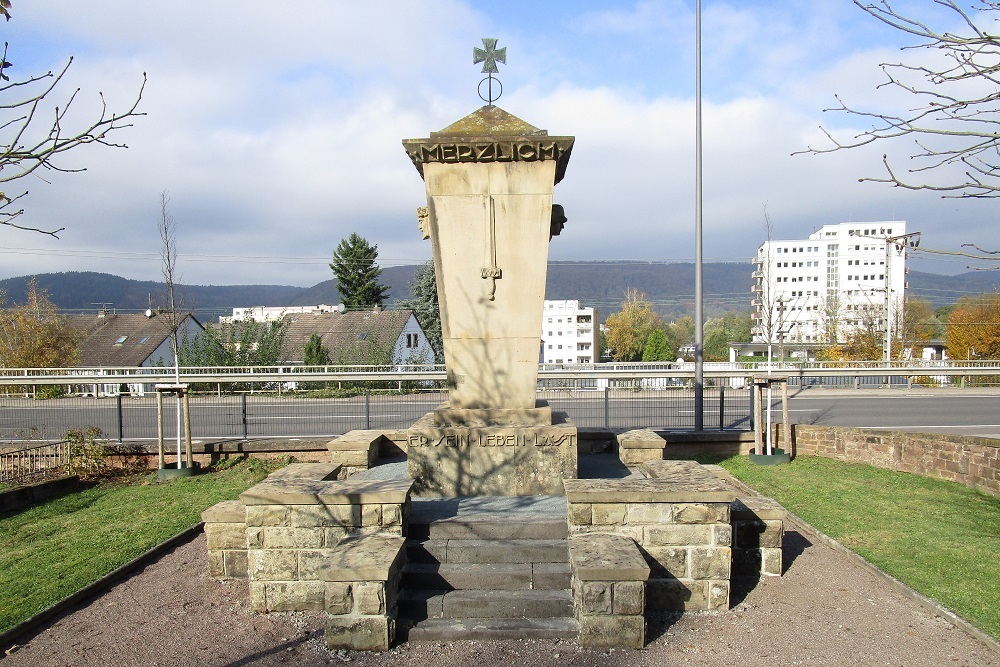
{"points": [[489, 56]]}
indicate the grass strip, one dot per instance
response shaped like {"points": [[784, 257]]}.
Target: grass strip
{"points": [[52, 550], [940, 538]]}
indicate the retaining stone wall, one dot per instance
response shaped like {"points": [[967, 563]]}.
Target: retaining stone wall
{"points": [[972, 461]]}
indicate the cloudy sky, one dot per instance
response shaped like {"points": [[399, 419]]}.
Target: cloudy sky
{"points": [[275, 128]]}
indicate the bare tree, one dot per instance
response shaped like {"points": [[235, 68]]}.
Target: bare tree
{"points": [[767, 313], [955, 122], [33, 132], [168, 269]]}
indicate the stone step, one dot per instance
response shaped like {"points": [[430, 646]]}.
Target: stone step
{"points": [[477, 576], [448, 630], [490, 528], [477, 604], [488, 551]]}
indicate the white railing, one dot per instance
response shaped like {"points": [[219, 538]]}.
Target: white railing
{"points": [[282, 374]]}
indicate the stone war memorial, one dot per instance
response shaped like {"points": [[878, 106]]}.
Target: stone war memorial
{"points": [[500, 523]]}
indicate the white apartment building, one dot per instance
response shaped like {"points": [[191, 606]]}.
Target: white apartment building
{"points": [[569, 333], [842, 277]]}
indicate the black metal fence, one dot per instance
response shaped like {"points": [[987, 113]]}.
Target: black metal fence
{"points": [[258, 415]]}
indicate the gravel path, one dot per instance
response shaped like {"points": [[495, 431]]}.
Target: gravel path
{"points": [[826, 610]]}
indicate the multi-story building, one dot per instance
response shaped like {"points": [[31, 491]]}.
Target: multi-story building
{"points": [[570, 333], [842, 277]]}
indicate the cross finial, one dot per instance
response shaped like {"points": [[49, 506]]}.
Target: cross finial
{"points": [[489, 56]]}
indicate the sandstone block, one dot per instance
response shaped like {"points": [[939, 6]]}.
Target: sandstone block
{"points": [[722, 535], [677, 534], [628, 598], [771, 562], [360, 633], [216, 564], [295, 596], [227, 511], [677, 594], [258, 597], [255, 537], [268, 515], [369, 598], [293, 538], [600, 557], [649, 513], [612, 631], [709, 562], [718, 596], [272, 565], [580, 514], [236, 563], [595, 597], [701, 513], [667, 561], [325, 515], [392, 515], [339, 597], [371, 515], [608, 514]]}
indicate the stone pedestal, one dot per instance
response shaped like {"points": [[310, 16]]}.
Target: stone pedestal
{"points": [[489, 179], [491, 459]]}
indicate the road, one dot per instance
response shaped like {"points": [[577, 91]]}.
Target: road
{"points": [[953, 411], [968, 412]]}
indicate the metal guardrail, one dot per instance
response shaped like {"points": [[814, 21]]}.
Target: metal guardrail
{"points": [[20, 464], [286, 374]]}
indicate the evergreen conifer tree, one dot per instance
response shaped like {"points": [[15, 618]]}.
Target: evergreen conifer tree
{"points": [[424, 305], [357, 273]]}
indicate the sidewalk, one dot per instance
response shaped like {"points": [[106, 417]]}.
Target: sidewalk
{"points": [[826, 610]]}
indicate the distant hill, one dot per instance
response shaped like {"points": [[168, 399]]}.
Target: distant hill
{"points": [[600, 284]]}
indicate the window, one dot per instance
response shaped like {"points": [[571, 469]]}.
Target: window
{"points": [[412, 340], [121, 339], [142, 341]]}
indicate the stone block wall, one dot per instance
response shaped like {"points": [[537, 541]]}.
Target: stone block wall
{"points": [[640, 445], [679, 516], [357, 450], [968, 460], [609, 575], [758, 529], [323, 545], [225, 532]]}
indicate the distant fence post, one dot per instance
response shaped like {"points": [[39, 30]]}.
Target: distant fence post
{"points": [[722, 406], [368, 410], [121, 420], [243, 411], [607, 417]]}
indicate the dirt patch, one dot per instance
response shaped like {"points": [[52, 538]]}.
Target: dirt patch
{"points": [[826, 610]]}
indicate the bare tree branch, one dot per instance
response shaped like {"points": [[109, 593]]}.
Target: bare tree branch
{"points": [[956, 124], [33, 133]]}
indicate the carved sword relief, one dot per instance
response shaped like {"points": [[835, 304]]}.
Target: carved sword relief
{"points": [[492, 272]]}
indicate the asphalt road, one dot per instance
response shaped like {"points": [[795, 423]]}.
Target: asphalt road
{"points": [[958, 411], [954, 411]]}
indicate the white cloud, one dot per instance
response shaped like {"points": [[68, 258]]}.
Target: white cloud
{"points": [[277, 129]]}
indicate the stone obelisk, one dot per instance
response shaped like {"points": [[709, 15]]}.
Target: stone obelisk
{"points": [[489, 180]]}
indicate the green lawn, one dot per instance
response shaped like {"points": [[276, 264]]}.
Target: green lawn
{"points": [[52, 550], [940, 538]]}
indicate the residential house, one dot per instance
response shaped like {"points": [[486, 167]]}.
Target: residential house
{"points": [[113, 340], [360, 337]]}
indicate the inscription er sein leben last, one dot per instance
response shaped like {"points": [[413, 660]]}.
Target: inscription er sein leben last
{"points": [[473, 439]]}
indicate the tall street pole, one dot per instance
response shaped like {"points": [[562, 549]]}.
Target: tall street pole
{"points": [[699, 316]]}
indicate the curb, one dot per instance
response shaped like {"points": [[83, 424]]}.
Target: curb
{"points": [[886, 578], [94, 588]]}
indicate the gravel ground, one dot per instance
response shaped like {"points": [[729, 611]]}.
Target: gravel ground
{"points": [[826, 610]]}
